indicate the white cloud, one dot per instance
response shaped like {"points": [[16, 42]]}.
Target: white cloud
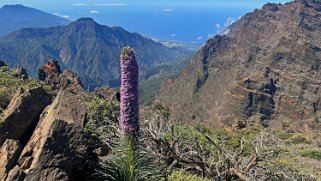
{"points": [[168, 10], [199, 38], [80, 4], [111, 4], [223, 28], [173, 35], [94, 12], [229, 21], [61, 15], [225, 32]]}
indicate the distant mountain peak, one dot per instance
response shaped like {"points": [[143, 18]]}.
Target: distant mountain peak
{"points": [[17, 16], [18, 7], [90, 49], [85, 19], [14, 6]]}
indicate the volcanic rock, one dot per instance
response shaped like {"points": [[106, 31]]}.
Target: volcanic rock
{"points": [[9, 153], [57, 149], [22, 113], [45, 143], [266, 67], [50, 72]]}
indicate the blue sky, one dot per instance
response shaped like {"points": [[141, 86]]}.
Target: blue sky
{"points": [[183, 20], [50, 4]]}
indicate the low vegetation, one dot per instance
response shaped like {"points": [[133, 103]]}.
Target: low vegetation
{"points": [[183, 176], [311, 153], [194, 152], [181, 151], [10, 83]]}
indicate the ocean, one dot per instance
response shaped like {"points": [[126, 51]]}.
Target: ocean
{"points": [[181, 24], [173, 20]]}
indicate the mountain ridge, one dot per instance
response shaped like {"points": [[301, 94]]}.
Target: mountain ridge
{"points": [[266, 70], [14, 17], [88, 48]]}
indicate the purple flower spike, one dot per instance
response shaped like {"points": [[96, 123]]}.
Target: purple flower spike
{"points": [[129, 106]]}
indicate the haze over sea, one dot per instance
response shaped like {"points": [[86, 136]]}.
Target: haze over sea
{"points": [[182, 20]]}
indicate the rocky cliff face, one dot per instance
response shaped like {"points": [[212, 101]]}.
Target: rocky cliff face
{"points": [[266, 69], [41, 138]]}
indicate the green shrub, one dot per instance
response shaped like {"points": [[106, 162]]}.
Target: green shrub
{"points": [[4, 69], [288, 167], [184, 176], [102, 120], [284, 136], [298, 139], [91, 131], [10, 84], [311, 153], [5, 98], [102, 111]]}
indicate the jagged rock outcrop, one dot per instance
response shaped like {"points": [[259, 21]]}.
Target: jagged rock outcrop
{"points": [[50, 72], [266, 69], [22, 113], [55, 148], [9, 153]]}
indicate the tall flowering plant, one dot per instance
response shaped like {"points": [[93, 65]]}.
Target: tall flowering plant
{"points": [[129, 163], [129, 106]]}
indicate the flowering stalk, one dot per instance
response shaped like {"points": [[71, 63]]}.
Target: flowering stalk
{"points": [[129, 108]]}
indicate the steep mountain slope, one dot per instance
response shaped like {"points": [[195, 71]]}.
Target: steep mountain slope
{"points": [[267, 69], [90, 49], [14, 17]]}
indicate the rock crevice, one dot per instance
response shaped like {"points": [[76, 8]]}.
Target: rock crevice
{"points": [[43, 139]]}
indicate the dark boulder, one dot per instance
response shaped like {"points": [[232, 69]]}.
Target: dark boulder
{"points": [[22, 73]]}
